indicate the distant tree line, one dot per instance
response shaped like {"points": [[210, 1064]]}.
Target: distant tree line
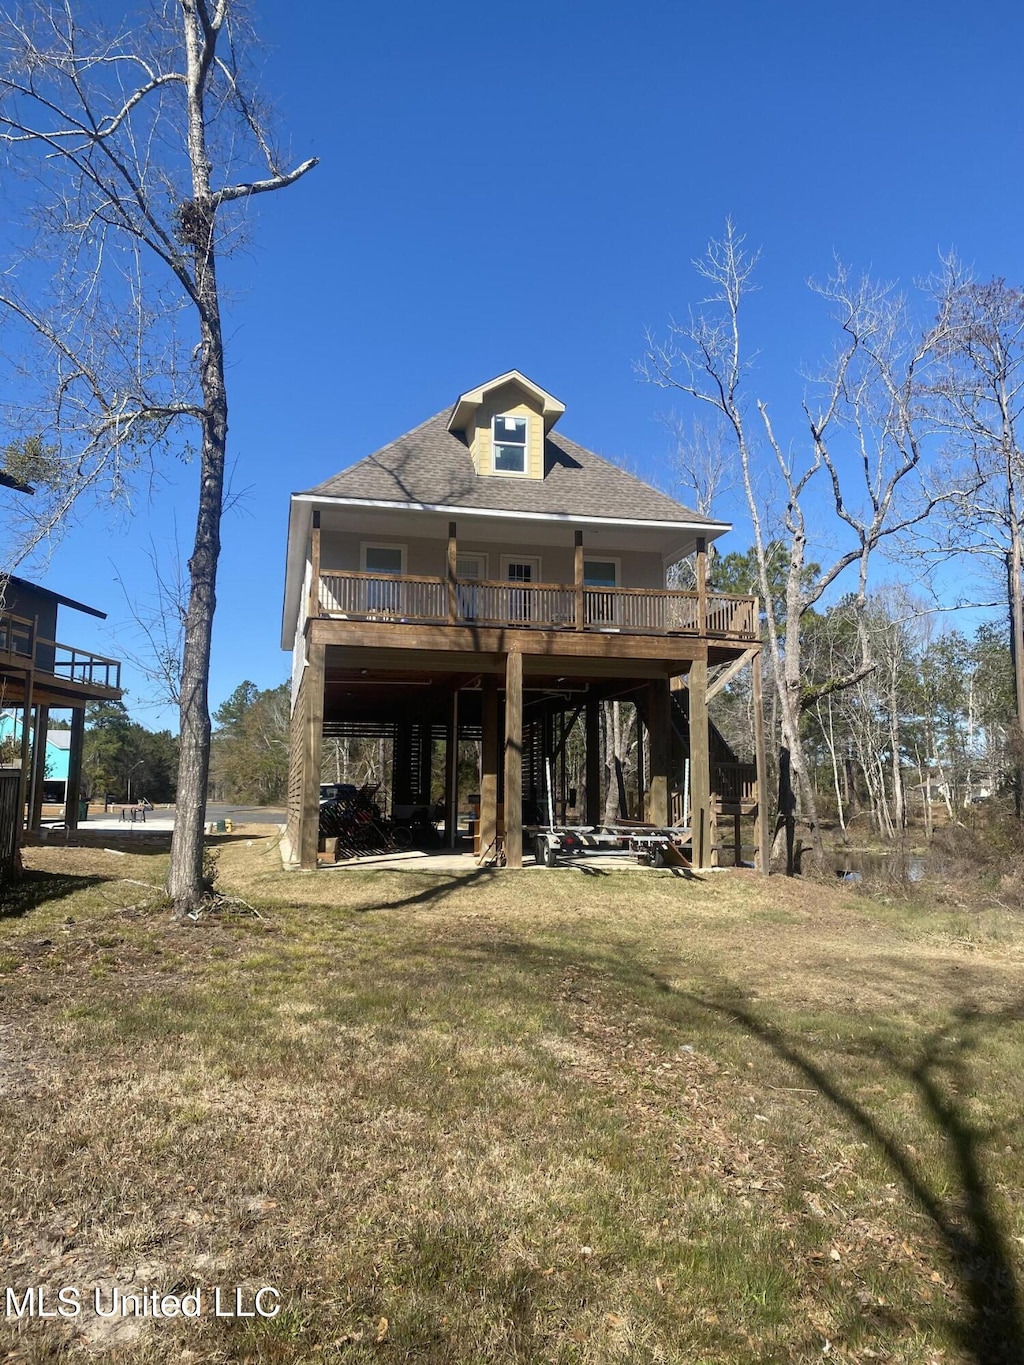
{"points": [[121, 759]]}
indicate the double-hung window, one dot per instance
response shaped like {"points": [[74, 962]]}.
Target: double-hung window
{"points": [[508, 436]]}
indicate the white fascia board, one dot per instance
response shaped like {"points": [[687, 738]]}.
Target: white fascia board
{"points": [[300, 514], [711, 529]]}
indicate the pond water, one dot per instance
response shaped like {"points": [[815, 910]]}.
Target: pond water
{"points": [[896, 866]]}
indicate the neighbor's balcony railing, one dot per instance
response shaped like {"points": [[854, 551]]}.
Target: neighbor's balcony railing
{"points": [[541, 606], [18, 639]]}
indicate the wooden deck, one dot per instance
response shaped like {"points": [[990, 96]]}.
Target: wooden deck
{"points": [[420, 600], [60, 672]]}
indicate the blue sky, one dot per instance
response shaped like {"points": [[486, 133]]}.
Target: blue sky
{"points": [[525, 187]]}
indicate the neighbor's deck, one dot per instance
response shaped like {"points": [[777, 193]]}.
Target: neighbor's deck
{"points": [[62, 674]]}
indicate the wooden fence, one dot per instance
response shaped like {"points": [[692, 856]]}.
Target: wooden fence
{"points": [[10, 819]]}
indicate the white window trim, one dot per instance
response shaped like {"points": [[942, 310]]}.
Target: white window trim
{"points": [[605, 559], [365, 545], [506, 560], [523, 473], [484, 560]]}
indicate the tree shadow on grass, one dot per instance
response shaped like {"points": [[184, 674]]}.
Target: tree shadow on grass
{"points": [[956, 1196], [33, 889], [938, 1071], [441, 886]]}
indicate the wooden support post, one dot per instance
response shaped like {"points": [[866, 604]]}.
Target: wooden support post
{"points": [[35, 812], [578, 580], [700, 765], [659, 726], [592, 723], [514, 759], [451, 774], [314, 574], [453, 574], [702, 585], [309, 829], [26, 729], [73, 790], [560, 760], [489, 764], [762, 855]]}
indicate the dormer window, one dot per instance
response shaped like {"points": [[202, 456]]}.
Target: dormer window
{"points": [[509, 438]]}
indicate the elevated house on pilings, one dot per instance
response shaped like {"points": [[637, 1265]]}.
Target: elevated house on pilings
{"points": [[39, 675], [484, 577]]}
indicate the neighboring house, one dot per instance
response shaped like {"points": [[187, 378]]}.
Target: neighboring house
{"points": [[58, 756], [485, 577], [40, 674]]}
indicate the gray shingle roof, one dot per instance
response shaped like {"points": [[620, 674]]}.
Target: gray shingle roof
{"points": [[432, 465]]}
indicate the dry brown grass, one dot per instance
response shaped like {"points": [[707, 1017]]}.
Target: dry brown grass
{"points": [[535, 1116]]}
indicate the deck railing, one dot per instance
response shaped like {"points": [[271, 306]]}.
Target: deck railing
{"points": [[18, 639], [542, 606]]}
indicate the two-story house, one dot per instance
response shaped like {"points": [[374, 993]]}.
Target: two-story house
{"points": [[484, 576], [39, 674]]}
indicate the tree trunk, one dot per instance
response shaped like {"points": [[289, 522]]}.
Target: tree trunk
{"points": [[185, 884]]}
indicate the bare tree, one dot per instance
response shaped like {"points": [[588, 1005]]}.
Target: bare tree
{"points": [[138, 144], [159, 617], [861, 458], [981, 389]]}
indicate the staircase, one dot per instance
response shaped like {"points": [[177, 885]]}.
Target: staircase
{"points": [[733, 784]]}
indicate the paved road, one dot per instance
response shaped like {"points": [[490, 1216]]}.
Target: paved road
{"points": [[246, 815]]}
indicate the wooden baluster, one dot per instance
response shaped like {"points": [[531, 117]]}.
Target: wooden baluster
{"points": [[453, 565]]}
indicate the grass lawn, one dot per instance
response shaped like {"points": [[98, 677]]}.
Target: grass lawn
{"points": [[536, 1116]]}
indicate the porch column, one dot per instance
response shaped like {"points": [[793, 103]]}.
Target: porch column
{"points": [[451, 773], [35, 814], [514, 759], [73, 790], [660, 732], [762, 855], [453, 568], [489, 764], [702, 585], [313, 608], [312, 746], [592, 724], [578, 579], [700, 764], [26, 732]]}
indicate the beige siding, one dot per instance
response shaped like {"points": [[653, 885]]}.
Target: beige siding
{"points": [[638, 569]]}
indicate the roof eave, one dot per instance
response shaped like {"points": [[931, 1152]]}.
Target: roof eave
{"points": [[467, 403], [713, 529]]}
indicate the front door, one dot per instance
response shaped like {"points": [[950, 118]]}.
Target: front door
{"points": [[470, 569], [521, 569]]}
